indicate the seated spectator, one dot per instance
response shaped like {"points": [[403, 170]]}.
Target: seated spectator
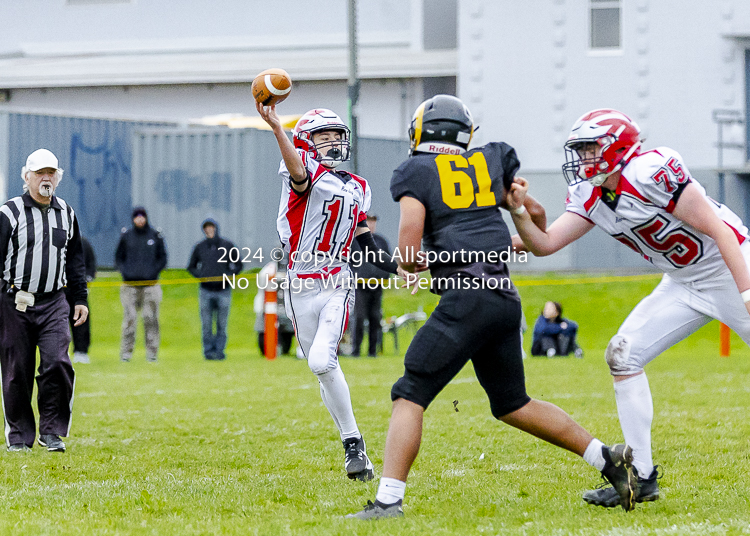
{"points": [[553, 334]]}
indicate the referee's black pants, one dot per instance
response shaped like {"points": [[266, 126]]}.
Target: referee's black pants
{"points": [[82, 333], [44, 326]]}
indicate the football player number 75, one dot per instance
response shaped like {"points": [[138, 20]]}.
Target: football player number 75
{"points": [[457, 186]]}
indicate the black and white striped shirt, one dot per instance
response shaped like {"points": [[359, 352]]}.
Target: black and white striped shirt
{"points": [[40, 247]]}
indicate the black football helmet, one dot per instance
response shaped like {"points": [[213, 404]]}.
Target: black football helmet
{"points": [[442, 124]]}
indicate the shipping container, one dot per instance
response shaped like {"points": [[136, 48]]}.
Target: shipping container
{"points": [[96, 156]]}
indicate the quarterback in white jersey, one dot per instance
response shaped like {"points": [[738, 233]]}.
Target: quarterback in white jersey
{"points": [[321, 211], [648, 201], [317, 229]]}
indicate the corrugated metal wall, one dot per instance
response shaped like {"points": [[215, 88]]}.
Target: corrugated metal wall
{"points": [[182, 176], [96, 155]]}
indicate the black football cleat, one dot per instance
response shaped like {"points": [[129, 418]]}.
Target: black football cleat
{"points": [[619, 472], [606, 496], [375, 510], [358, 465]]}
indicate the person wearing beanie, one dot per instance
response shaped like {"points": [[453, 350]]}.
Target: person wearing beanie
{"points": [[140, 257], [209, 262]]}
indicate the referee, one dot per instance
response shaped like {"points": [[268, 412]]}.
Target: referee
{"points": [[41, 252]]}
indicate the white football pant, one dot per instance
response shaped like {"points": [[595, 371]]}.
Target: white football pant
{"points": [[320, 313], [666, 316], [675, 310]]}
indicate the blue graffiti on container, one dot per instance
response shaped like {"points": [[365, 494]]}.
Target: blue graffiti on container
{"points": [[185, 190], [102, 176]]}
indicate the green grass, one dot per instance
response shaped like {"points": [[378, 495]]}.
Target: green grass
{"points": [[245, 446]]}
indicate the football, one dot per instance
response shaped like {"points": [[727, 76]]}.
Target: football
{"points": [[271, 86]]}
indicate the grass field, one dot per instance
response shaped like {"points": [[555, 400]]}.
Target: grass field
{"points": [[246, 446]]}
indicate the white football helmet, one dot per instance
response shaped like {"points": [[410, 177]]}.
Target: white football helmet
{"points": [[329, 153]]}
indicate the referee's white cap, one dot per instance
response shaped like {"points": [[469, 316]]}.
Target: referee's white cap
{"points": [[40, 159]]}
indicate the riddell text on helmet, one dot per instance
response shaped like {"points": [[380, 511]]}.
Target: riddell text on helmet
{"points": [[442, 149]]}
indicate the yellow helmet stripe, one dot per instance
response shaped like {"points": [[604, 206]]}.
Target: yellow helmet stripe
{"points": [[418, 115]]}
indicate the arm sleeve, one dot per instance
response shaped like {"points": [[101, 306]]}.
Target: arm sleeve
{"points": [[538, 328], [90, 259], [572, 328], [120, 253], [161, 254], [234, 267], [75, 267], [6, 230], [545, 327], [192, 266], [551, 328], [376, 256]]}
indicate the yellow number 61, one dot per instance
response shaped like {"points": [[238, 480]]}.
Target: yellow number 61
{"points": [[463, 196]]}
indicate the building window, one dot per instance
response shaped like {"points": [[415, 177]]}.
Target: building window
{"points": [[605, 24]]}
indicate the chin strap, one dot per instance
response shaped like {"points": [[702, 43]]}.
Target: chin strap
{"points": [[597, 181]]}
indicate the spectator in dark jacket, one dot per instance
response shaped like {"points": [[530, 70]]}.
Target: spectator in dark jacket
{"points": [[140, 257], [368, 302], [553, 334], [209, 262], [82, 333]]}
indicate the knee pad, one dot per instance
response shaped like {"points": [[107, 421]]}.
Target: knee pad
{"points": [[619, 358], [319, 361]]}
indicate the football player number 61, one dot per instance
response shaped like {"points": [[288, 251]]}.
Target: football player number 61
{"points": [[457, 186]]}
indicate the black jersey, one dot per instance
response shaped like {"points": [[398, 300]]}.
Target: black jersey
{"points": [[463, 223], [461, 195]]}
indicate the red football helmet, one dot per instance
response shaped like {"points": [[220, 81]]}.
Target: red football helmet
{"points": [[329, 153], [618, 138]]}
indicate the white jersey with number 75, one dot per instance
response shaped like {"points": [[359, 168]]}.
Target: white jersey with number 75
{"points": [[642, 219]]}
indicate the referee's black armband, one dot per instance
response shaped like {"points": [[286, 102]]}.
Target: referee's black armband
{"points": [[371, 249]]}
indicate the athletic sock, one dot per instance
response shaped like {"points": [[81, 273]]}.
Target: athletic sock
{"points": [[390, 491], [593, 455], [636, 411], [336, 397]]}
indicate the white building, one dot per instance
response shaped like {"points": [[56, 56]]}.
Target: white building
{"points": [[181, 60], [528, 70]]}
